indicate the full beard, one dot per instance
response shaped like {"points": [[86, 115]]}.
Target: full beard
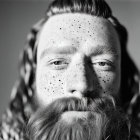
{"points": [[79, 119]]}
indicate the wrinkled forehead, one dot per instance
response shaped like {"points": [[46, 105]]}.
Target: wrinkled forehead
{"points": [[76, 27]]}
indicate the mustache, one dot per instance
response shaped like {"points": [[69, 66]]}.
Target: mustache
{"points": [[83, 104], [104, 104], [62, 105], [47, 119]]}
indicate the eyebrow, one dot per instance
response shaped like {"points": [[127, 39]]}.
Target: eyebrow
{"points": [[94, 51], [59, 50], [101, 49]]}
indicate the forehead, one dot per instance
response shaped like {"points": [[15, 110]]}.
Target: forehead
{"points": [[74, 21], [77, 22], [76, 28]]}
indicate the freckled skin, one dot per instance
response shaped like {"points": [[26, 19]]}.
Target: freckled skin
{"points": [[75, 73]]}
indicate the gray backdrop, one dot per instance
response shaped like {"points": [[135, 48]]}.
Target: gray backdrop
{"points": [[16, 18]]}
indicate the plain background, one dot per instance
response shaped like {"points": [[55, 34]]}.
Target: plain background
{"points": [[16, 18]]}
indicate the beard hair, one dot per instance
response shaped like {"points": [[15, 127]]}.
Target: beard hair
{"points": [[104, 121]]}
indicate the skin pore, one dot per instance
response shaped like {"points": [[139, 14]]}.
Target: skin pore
{"points": [[78, 55]]}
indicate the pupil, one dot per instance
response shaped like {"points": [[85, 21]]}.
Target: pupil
{"points": [[57, 62], [102, 63]]}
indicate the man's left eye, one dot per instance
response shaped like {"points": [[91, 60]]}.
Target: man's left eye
{"points": [[102, 65]]}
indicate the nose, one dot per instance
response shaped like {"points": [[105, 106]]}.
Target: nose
{"points": [[80, 76]]}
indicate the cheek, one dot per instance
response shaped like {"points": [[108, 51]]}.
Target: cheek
{"points": [[109, 82], [49, 85]]}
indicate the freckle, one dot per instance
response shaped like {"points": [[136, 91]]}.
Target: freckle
{"points": [[60, 28], [59, 80]]}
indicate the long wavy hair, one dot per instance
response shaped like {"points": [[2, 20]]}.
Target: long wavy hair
{"points": [[21, 104]]}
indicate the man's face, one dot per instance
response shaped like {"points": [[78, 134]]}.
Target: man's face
{"points": [[78, 55]]}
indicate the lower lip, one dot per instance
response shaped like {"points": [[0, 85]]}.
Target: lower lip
{"points": [[69, 116]]}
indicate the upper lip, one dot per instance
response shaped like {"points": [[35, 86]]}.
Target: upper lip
{"points": [[78, 105]]}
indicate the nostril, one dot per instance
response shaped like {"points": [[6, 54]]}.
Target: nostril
{"points": [[73, 91]]}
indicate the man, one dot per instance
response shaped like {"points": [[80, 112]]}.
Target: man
{"points": [[78, 50]]}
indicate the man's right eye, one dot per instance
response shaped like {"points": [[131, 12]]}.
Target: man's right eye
{"points": [[58, 64]]}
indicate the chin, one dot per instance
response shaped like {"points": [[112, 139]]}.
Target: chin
{"points": [[79, 119]]}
